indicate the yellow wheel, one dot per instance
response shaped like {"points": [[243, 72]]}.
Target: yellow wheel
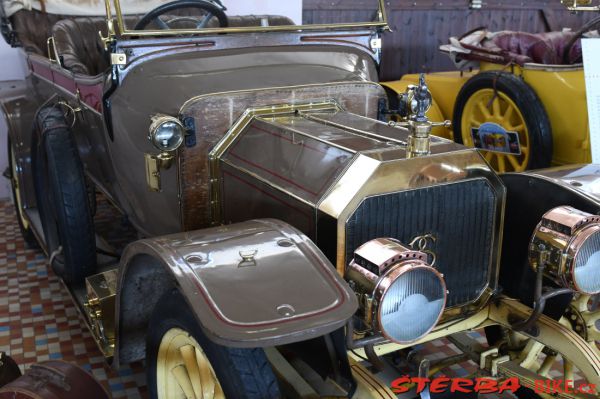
{"points": [[183, 370], [502, 116], [183, 363]]}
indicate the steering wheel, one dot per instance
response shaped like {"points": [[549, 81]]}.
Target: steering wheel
{"points": [[586, 28], [212, 10]]}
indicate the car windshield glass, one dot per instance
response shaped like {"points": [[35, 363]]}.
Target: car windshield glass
{"points": [[158, 17]]}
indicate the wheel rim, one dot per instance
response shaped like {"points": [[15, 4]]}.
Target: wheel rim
{"points": [[183, 370], [583, 316], [583, 319], [488, 106], [16, 189]]}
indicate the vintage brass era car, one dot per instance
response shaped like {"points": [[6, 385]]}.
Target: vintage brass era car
{"points": [[509, 94], [288, 238]]}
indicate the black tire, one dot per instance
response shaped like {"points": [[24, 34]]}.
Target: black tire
{"points": [[533, 112], [26, 232], [62, 198], [243, 373]]}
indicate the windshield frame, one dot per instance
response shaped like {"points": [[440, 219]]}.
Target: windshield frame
{"points": [[122, 30]]}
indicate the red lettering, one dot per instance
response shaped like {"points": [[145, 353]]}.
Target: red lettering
{"points": [[461, 385], [511, 385], [421, 383], [401, 385], [439, 385], [486, 385], [540, 386], [588, 388], [569, 386], [556, 386]]}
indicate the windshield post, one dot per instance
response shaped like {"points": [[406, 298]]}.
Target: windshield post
{"points": [[381, 24]]}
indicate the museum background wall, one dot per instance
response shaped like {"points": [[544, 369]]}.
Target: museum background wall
{"points": [[420, 26], [11, 68]]}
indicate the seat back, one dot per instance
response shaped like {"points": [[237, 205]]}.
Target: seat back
{"points": [[79, 46], [33, 28]]}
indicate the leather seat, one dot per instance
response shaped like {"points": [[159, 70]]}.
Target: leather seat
{"points": [[542, 48], [506, 47], [78, 43], [33, 29], [79, 46], [77, 40]]}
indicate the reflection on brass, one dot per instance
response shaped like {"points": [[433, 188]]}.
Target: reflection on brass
{"points": [[238, 127], [579, 5], [52, 51], [100, 309], [380, 23], [154, 164], [557, 241], [118, 59]]}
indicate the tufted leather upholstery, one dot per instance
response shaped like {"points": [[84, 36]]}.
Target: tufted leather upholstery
{"points": [[79, 46], [33, 29], [77, 40]]}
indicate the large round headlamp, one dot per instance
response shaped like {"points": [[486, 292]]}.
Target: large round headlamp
{"points": [[166, 133], [400, 295], [567, 240]]}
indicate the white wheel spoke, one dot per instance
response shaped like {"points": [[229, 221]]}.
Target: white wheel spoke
{"points": [[546, 366], [188, 354], [208, 384], [183, 379], [183, 370]]}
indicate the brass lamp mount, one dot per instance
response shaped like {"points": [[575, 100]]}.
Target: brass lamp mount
{"points": [[413, 106]]}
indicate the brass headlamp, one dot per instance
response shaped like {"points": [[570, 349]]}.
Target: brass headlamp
{"points": [[567, 241], [400, 295]]}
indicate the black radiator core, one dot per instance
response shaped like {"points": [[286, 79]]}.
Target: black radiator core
{"points": [[459, 215]]}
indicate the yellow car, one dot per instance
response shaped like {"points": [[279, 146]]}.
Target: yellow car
{"points": [[517, 96]]}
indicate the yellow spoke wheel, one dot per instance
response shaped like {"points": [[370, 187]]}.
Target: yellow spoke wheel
{"points": [[183, 370], [508, 103], [486, 106], [184, 363]]}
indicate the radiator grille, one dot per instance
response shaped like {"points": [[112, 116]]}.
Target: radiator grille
{"points": [[461, 217]]}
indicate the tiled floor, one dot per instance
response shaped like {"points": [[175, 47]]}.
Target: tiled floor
{"points": [[38, 320]]}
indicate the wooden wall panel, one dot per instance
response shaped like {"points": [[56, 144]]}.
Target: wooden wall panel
{"points": [[420, 27]]}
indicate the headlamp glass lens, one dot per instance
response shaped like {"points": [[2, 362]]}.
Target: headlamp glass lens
{"points": [[412, 305], [587, 265]]}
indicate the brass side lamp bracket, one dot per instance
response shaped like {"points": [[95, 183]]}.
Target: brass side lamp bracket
{"points": [[154, 165]]}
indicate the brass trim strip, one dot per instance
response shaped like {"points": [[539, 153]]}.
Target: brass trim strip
{"points": [[382, 23]]}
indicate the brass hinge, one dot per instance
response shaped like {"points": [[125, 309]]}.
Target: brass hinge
{"points": [[118, 59]]}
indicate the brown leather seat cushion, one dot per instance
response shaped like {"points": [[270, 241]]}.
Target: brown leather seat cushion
{"points": [[33, 29], [78, 44], [77, 40]]}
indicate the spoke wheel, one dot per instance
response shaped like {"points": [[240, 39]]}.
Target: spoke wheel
{"points": [[507, 104], [183, 370], [485, 106], [583, 316], [182, 362]]}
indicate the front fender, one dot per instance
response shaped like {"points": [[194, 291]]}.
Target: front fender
{"points": [[253, 284]]}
